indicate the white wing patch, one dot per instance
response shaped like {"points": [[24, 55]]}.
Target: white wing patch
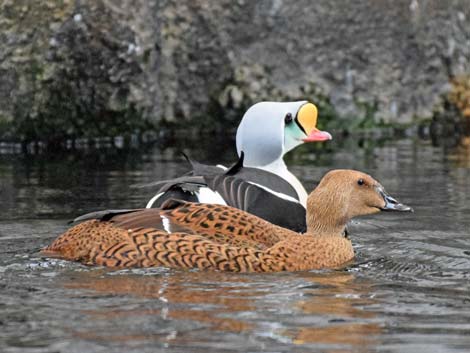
{"points": [[206, 195], [166, 224]]}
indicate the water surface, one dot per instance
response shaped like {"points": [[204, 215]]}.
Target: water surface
{"points": [[408, 290]]}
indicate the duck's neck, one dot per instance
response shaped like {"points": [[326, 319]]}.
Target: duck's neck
{"points": [[279, 168], [325, 216]]}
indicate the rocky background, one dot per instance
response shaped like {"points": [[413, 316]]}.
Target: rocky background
{"points": [[73, 68]]}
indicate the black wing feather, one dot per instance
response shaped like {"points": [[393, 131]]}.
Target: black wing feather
{"points": [[255, 200], [103, 216]]}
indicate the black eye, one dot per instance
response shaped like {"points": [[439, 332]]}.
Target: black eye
{"points": [[360, 182], [288, 118]]}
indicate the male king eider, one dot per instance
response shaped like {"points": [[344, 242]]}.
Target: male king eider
{"points": [[266, 133]]}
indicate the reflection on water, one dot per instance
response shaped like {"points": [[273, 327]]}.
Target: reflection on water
{"points": [[181, 297], [460, 154], [227, 302], [406, 292], [340, 299]]}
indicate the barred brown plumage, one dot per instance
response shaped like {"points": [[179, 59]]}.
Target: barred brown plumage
{"points": [[224, 238]]}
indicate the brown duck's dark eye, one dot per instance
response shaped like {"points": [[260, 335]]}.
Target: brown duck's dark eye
{"points": [[288, 118], [360, 182]]}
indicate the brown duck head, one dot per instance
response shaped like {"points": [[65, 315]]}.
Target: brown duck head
{"points": [[343, 195]]}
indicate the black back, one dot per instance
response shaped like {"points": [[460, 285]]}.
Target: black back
{"points": [[255, 200], [236, 186]]}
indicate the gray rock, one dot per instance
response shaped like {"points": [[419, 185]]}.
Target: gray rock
{"points": [[107, 67]]}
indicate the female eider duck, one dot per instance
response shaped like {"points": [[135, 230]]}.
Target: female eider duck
{"points": [[216, 237], [266, 133]]}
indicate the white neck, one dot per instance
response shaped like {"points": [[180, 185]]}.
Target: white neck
{"points": [[279, 168]]}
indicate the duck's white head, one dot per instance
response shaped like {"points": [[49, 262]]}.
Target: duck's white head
{"points": [[269, 130]]}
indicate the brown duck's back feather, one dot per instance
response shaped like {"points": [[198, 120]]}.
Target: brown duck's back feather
{"points": [[89, 241], [202, 236], [222, 224], [102, 243]]}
